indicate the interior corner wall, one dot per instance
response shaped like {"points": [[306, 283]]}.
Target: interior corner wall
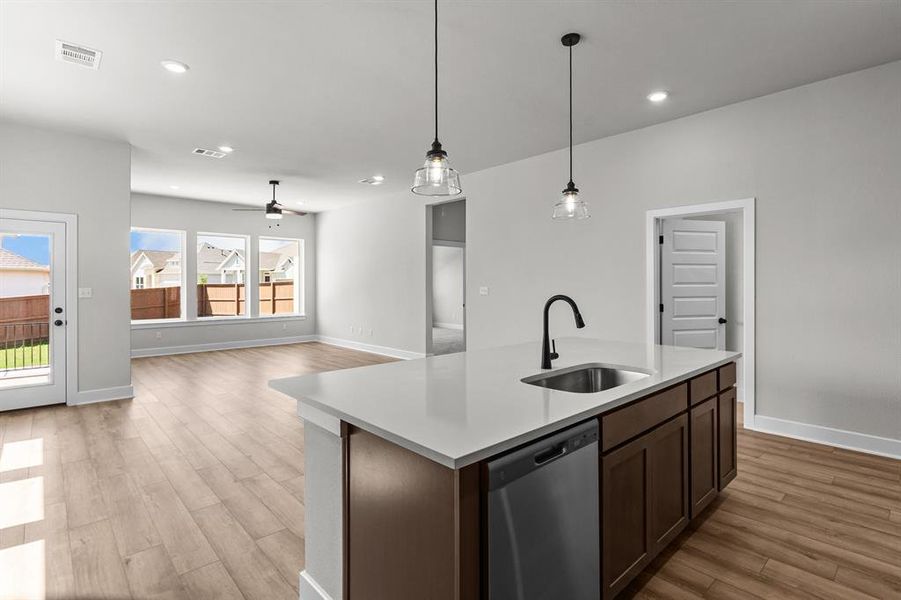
{"points": [[45, 170], [191, 216], [371, 273], [821, 160]]}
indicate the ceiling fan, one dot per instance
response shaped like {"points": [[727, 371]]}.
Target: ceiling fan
{"points": [[273, 209]]}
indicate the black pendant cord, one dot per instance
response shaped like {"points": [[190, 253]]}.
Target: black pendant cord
{"points": [[436, 70], [570, 116]]}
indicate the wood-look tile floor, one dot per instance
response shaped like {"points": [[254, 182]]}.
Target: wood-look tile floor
{"points": [[194, 489]]}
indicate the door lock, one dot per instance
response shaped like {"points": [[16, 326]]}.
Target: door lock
{"points": [[58, 322], [58, 309], [722, 321]]}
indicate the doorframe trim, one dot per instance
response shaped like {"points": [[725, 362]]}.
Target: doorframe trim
{"points": [[71, 223], [746, 207]]}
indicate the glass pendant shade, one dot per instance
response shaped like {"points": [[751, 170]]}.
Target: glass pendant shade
{"points": [[436, 177], [570, 206]]}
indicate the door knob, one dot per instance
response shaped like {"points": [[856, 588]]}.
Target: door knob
{"points": [[58, 322], [722, 321], [58, 309]]}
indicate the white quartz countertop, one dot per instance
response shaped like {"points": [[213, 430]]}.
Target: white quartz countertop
{"points": [[458, 409]]}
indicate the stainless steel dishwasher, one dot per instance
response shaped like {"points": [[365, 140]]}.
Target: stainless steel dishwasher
{"points": [[543, 519]]}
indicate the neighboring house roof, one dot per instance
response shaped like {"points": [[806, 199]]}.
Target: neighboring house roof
{"points": [[16, 262], [209, 258], [157, 258]]}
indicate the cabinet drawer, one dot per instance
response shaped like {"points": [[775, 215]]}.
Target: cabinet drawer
{"points": [[702, 387], [628, 422], [727, 376]]}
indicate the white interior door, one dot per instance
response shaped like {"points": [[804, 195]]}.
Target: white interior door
{"points": [[32, 313], [693, 284]]}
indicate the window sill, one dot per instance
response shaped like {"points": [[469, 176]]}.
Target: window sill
{"points": [[138, 325]]}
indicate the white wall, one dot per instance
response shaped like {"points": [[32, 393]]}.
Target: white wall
{"points": [[447, 286], [191, 216], [60, 172], [371, 263], [822, 161]]}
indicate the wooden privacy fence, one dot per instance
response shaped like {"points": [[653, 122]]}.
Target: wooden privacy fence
{"points": [[220, 299], [277, 297], [18, 313], [156, 303], [213, 300]]}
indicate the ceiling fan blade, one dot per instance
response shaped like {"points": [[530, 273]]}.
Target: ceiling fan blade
{"points": [[288, 211]]}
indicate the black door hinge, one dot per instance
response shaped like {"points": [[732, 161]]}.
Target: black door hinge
{"points": [[661, 308], [661, 239]]}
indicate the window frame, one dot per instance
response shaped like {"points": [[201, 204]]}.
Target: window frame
{"points": [[299, 288], [249, 293], [182, 311]]}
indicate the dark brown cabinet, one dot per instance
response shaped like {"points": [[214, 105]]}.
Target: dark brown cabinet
{"points": [[644, 495], [704, 475], [728, 424]]}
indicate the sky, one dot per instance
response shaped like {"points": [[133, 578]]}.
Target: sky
{"points": [[155, 240], [35, 247]]}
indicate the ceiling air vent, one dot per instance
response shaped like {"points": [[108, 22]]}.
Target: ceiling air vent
{"points": [[210, 153], [78, 55]]}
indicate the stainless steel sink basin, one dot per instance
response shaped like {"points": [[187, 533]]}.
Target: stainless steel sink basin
{"points": [[586, 379]]}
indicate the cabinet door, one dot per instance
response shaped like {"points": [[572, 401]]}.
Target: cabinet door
{"points": [[704, 475], [625, 541], [728, 425], [668, 476]]}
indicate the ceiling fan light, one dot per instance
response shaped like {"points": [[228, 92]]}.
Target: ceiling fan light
{"points": [[273, 214]]}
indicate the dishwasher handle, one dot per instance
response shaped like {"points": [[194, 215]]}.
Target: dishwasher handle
{"points": [[546, 456], [518, 463]]}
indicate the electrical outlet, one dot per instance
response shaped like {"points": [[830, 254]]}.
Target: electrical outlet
{"points": [[370, 332], [159, 335], [284, 327], [483, 291], [85, 292]]}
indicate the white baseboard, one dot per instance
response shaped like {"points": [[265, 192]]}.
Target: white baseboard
{"points": [[310, 590], [102, 395], [448, 326], [383, 350], [190, 348], [840, 438]]}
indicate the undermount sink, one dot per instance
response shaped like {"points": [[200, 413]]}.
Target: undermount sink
{"points": [[585, 379]]}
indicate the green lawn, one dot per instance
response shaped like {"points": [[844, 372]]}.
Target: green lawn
{"points": [[24, 356]]}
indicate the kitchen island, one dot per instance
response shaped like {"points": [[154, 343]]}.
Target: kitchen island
{"points": [[396, 454]]}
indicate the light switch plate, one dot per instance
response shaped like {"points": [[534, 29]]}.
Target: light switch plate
{"points": [[85, 292], [483, 291]]}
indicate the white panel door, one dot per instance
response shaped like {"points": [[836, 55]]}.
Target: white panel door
{"points": [[32, 313], [693, 284]]}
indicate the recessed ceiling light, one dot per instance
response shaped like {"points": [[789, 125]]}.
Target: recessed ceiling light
{"points": [[174, 66], [374, 180], [173, 187], [227, 149], [658, 96]]}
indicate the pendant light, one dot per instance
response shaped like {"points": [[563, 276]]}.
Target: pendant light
{"points": [[570, 206], [436, 177]]}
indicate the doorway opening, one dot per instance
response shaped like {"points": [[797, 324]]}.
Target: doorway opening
{"points": [[36, 341], [446, 278], [700, 283]]}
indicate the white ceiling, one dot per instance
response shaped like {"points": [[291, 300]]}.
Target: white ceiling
{"points": [[322, 94]]}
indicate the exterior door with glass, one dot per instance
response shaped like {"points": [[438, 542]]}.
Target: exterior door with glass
{"points": [[33, 313]]}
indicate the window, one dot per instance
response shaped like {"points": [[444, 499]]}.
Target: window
{"points": [[280, 280], [156, 275], [221, 274]]}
